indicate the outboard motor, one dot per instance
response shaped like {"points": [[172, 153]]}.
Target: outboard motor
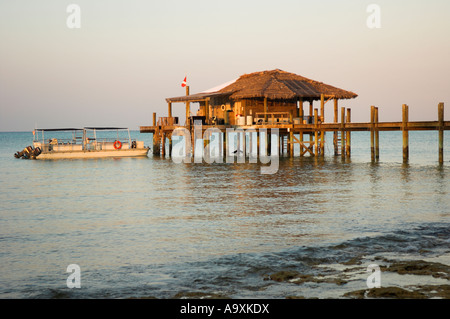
{"points": [[28, 152]]}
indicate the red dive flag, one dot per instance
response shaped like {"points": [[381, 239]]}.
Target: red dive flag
{"points": [[183, 84]]}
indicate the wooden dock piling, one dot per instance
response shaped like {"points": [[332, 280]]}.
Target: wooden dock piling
{"points": [[348, 135], [377, 135], [316, 133], [372, 133], [405, 117], [441, 132], [342, 132]]}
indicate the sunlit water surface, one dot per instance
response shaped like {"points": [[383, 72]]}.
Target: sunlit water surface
{"points": [[142, 227]]}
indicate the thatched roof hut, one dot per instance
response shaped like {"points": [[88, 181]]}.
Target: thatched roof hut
{"points": [[276, 93], [275, 85], [278, 84]]}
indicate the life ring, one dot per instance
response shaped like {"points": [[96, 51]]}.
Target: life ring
{"points": [[117, 145]]}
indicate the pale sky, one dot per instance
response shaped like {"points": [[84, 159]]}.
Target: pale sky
{"points": [[128, 56]]}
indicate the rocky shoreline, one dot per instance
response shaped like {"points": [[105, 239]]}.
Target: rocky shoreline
{"points": [[419, 268]]}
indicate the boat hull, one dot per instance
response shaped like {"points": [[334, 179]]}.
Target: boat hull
{"points": [[93, 154]]}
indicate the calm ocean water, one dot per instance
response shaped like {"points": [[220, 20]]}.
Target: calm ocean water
{"points": [[140, 227]]}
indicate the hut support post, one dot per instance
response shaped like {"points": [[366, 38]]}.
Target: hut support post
{"points": [[258, 150], [224, 144], [163, 144], [322, 108], [170, 144], [405, 133], [291, 142], [441, 132], [156, 145], [169, 109], [281, 144], [300, 109], [265, 110], [207, 111]]}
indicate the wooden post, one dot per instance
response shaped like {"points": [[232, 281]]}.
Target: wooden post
{"points": [[342, 132], [335, 110], [348, 138], [335, 133], [441, 132], [405, 133], [156, 143], [316, 133], [301, 131], [191, 147], [154, 118], [238, 143], [265, 110], [258, 150], [224, 146], [244, 143], [377, 135], [372, 133], [300, 109], [163, 144], [281, 137], [170, 144], [169, 107], [207, 112], [311, 115], [291, 142], [322, 108], [288, 145], [188, 109]]}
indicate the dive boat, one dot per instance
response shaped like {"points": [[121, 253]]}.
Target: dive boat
{"points": [[88, 142]]}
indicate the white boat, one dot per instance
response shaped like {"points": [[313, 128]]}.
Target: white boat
{"points": [[88, 142]]}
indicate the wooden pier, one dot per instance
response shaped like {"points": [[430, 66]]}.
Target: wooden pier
{"points": [[311, 136]]}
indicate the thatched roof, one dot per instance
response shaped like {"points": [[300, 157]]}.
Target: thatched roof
{"points": [[274, 84], [278, 84]]}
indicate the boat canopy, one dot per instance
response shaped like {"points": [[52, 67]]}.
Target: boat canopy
{"points": [[106, 128], [57, 129], [100, 128]]}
